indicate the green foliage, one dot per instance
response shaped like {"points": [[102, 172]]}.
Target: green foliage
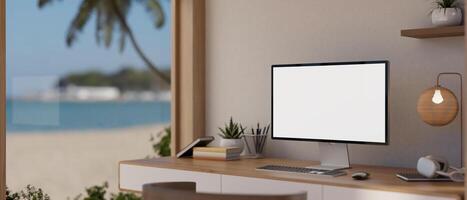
{"points": [[233, 130], [98, 192], [31, 193], [11, 196], [126, 79], [162, 148], [131, 79], [90, 78], [443, 4], [124, 196]]}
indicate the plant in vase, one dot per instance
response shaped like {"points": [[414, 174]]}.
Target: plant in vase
{"points": [[231, 135], [446, 13]]}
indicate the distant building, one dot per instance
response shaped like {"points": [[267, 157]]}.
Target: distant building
{"points": [[146, 96], [97, 93], [86, 93]]}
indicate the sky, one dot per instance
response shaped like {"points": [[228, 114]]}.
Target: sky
{"points": [[37, 54]]}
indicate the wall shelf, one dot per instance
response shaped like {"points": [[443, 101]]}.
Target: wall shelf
{"points": [[435, 32]]}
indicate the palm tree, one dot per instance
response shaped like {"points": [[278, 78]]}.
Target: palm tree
{"points": [[112, 15]]}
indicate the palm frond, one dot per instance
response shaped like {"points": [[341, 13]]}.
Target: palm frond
{"points": [[123, 34], [80, 20], [108, 29], [123, 7], [99, 25], [154, 8], [42, 3]]}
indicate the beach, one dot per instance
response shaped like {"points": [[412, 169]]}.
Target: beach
{"points": [[63, 163]]}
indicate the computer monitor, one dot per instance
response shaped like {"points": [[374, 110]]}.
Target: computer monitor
{"points": [[331, 103]]}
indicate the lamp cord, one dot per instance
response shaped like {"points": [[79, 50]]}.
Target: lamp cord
{"points": [[462, 113]]}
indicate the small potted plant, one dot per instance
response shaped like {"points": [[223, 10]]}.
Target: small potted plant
{"points": [[231, 135], [446, 13]]}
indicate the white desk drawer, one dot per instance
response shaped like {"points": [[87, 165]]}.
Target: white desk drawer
{"points": [[338, 193], [245, 185], [134, 177]]}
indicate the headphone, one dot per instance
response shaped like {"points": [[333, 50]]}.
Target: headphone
{"points": [[432, 167]]}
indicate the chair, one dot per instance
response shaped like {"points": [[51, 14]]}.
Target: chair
{"points": [[187, 191]]}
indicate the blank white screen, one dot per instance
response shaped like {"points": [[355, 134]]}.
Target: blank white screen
{"points": [[332, 102]]}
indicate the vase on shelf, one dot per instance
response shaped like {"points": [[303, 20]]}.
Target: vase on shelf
{"points": [[446, 17]]}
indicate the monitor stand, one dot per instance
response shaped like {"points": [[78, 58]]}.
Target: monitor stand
{"points": [[333, 156]]}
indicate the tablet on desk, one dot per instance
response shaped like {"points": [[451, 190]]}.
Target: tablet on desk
{"points": [[416, 177], [200, 142]]}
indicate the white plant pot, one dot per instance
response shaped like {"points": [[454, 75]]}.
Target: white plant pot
{"points": [[446, 17], [232, 143]]}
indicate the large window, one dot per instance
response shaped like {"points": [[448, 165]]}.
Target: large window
{"points": [[87, 86]]}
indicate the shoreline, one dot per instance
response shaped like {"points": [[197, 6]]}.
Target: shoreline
{"points": [[64, 163], [87, 131]]}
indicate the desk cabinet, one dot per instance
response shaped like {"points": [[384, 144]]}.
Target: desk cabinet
{"points": [[134, 177], [246, 185], [241, 177], [337, 193]]}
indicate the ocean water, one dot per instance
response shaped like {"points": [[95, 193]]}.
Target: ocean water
{"points": [[29, 116]]}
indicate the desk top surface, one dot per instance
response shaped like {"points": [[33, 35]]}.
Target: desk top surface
{"points": [[381, 178]]}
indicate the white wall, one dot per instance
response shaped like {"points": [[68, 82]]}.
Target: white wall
{"points": [[244, 37]]}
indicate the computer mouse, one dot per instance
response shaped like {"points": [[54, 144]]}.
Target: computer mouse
{"points": [[360, 175]]}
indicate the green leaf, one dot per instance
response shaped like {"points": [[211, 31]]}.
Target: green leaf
{"points": [[232, 130], [447, 4], [222, 130]]}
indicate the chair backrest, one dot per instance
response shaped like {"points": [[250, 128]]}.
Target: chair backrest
{"points": [[187, 191]]}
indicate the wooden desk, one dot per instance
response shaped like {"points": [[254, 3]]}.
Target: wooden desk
{"points": [[241, 177]]}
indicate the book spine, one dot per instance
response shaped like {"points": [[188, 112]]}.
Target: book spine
{"points": [[214, 155], [214, 158], [217, 150]]}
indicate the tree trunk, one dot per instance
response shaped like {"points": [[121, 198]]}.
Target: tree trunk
{"points": [[140, 52]]}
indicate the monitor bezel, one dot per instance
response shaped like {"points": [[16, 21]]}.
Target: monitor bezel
{"points": [[386, 64]]}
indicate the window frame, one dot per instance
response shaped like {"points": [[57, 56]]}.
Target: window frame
{"points": [[187, 77], [188, 72]]}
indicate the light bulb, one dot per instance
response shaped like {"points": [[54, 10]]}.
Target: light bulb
{"points": [[437, 97]]}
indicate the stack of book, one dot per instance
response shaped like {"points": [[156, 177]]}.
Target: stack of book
{"points": [[217, 153]]}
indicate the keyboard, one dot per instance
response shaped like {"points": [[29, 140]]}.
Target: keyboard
{"points": [[301, 170]]}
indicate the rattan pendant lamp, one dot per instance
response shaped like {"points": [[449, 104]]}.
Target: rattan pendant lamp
{"points": [[438, 106]]}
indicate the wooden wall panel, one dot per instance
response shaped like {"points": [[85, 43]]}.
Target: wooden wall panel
{"points": [[188, 72], [2, 100], [464, 108]]}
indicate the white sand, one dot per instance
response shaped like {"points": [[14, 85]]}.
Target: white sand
{"points": [[63, 164]]}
